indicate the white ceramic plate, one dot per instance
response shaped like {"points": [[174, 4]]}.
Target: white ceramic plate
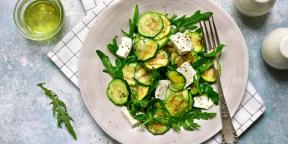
{"points": [[93, 81]]}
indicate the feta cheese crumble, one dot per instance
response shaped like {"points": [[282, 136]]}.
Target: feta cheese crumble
{"points": [[188, 72], [181, 42], [161, 89], [202, 102], [124, 47], [133, 122]]}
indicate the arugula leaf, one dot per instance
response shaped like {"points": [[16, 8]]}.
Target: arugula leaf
{"points": [[114, 71], [199, 62], [132, 24], [59, 110], [186, 120], [215, 52], [196, 80], [209, 91], [109, 68], [188, 22], [113, 46], [205, 65]]}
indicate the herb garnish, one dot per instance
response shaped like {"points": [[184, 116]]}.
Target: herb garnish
{"points": [[132, 24], [189, 22], [59, 110]]}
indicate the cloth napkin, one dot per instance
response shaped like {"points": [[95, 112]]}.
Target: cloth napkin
{"points": [[66, 56]]}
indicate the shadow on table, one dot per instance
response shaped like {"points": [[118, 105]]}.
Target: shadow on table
{"points": [[54, 40], [279, 75], [252, 22]]}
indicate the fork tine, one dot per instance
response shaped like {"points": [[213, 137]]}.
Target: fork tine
{"points": [[207, 37], [203, 37], [212, 35], [216, 33]]}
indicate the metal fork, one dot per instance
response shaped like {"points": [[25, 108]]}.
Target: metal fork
{"points": [[211, 41]]}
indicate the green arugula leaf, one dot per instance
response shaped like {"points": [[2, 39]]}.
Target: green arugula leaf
{"points": [[196, 80], [109, 68], [186, 119], [215, 52], [113, 46], [188, 22], [132, 24], [59, 110], [209, 91], [205, 65]]}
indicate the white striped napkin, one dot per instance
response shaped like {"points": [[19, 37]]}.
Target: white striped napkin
{"points": [[66, 56]]}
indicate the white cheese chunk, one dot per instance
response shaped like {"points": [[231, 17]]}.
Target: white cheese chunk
{"points": [[188, 72], [161, 89], [133, 122], [181, 42], [203, 102], [124, 47]]}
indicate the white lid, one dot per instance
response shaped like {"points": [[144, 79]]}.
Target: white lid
{"points": [[284, 46]]}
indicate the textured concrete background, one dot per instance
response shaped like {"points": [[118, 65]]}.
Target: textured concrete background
{"points": [[25, 117]]}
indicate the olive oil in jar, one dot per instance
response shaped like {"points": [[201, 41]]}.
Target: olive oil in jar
{"points": [[42, 17]]}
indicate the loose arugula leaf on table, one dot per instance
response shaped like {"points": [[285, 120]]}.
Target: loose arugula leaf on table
{"points": [[132, 24], [59, 110]]}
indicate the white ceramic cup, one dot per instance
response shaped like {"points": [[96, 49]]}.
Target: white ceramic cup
{"points": [[275, 48], [254, 7]]}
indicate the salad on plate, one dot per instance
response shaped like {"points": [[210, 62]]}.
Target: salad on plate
{"points": [[163, 74]]}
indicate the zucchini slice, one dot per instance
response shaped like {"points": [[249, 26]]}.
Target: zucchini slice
{"points": [[177, 80], [160, 127], [160, 60], [150, 24], [193, 90], [145, 49], [143, 76], [166, 27], [157, 128], [118, 92], [128, 73], [177, 102], [175, 58], [163, 42], [197, 42], [139, 92], [209, 75]]}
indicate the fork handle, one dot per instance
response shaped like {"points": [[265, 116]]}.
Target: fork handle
{"points": [[229, 135]]}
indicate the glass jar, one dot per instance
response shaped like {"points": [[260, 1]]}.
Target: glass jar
{"points": [[39, 19]]}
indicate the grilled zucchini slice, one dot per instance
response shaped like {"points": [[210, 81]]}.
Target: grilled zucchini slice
{"points": [[177, 102], [160, 60], [209, 75], [150, 24], [197, 41], [118, 92], [166, 27], [139, 92], [145, 49], [128, 73], [160, 127], [177, 80], [143, 76]]}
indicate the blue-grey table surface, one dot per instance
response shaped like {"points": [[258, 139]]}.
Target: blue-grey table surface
{"points": [[25, 114]]}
